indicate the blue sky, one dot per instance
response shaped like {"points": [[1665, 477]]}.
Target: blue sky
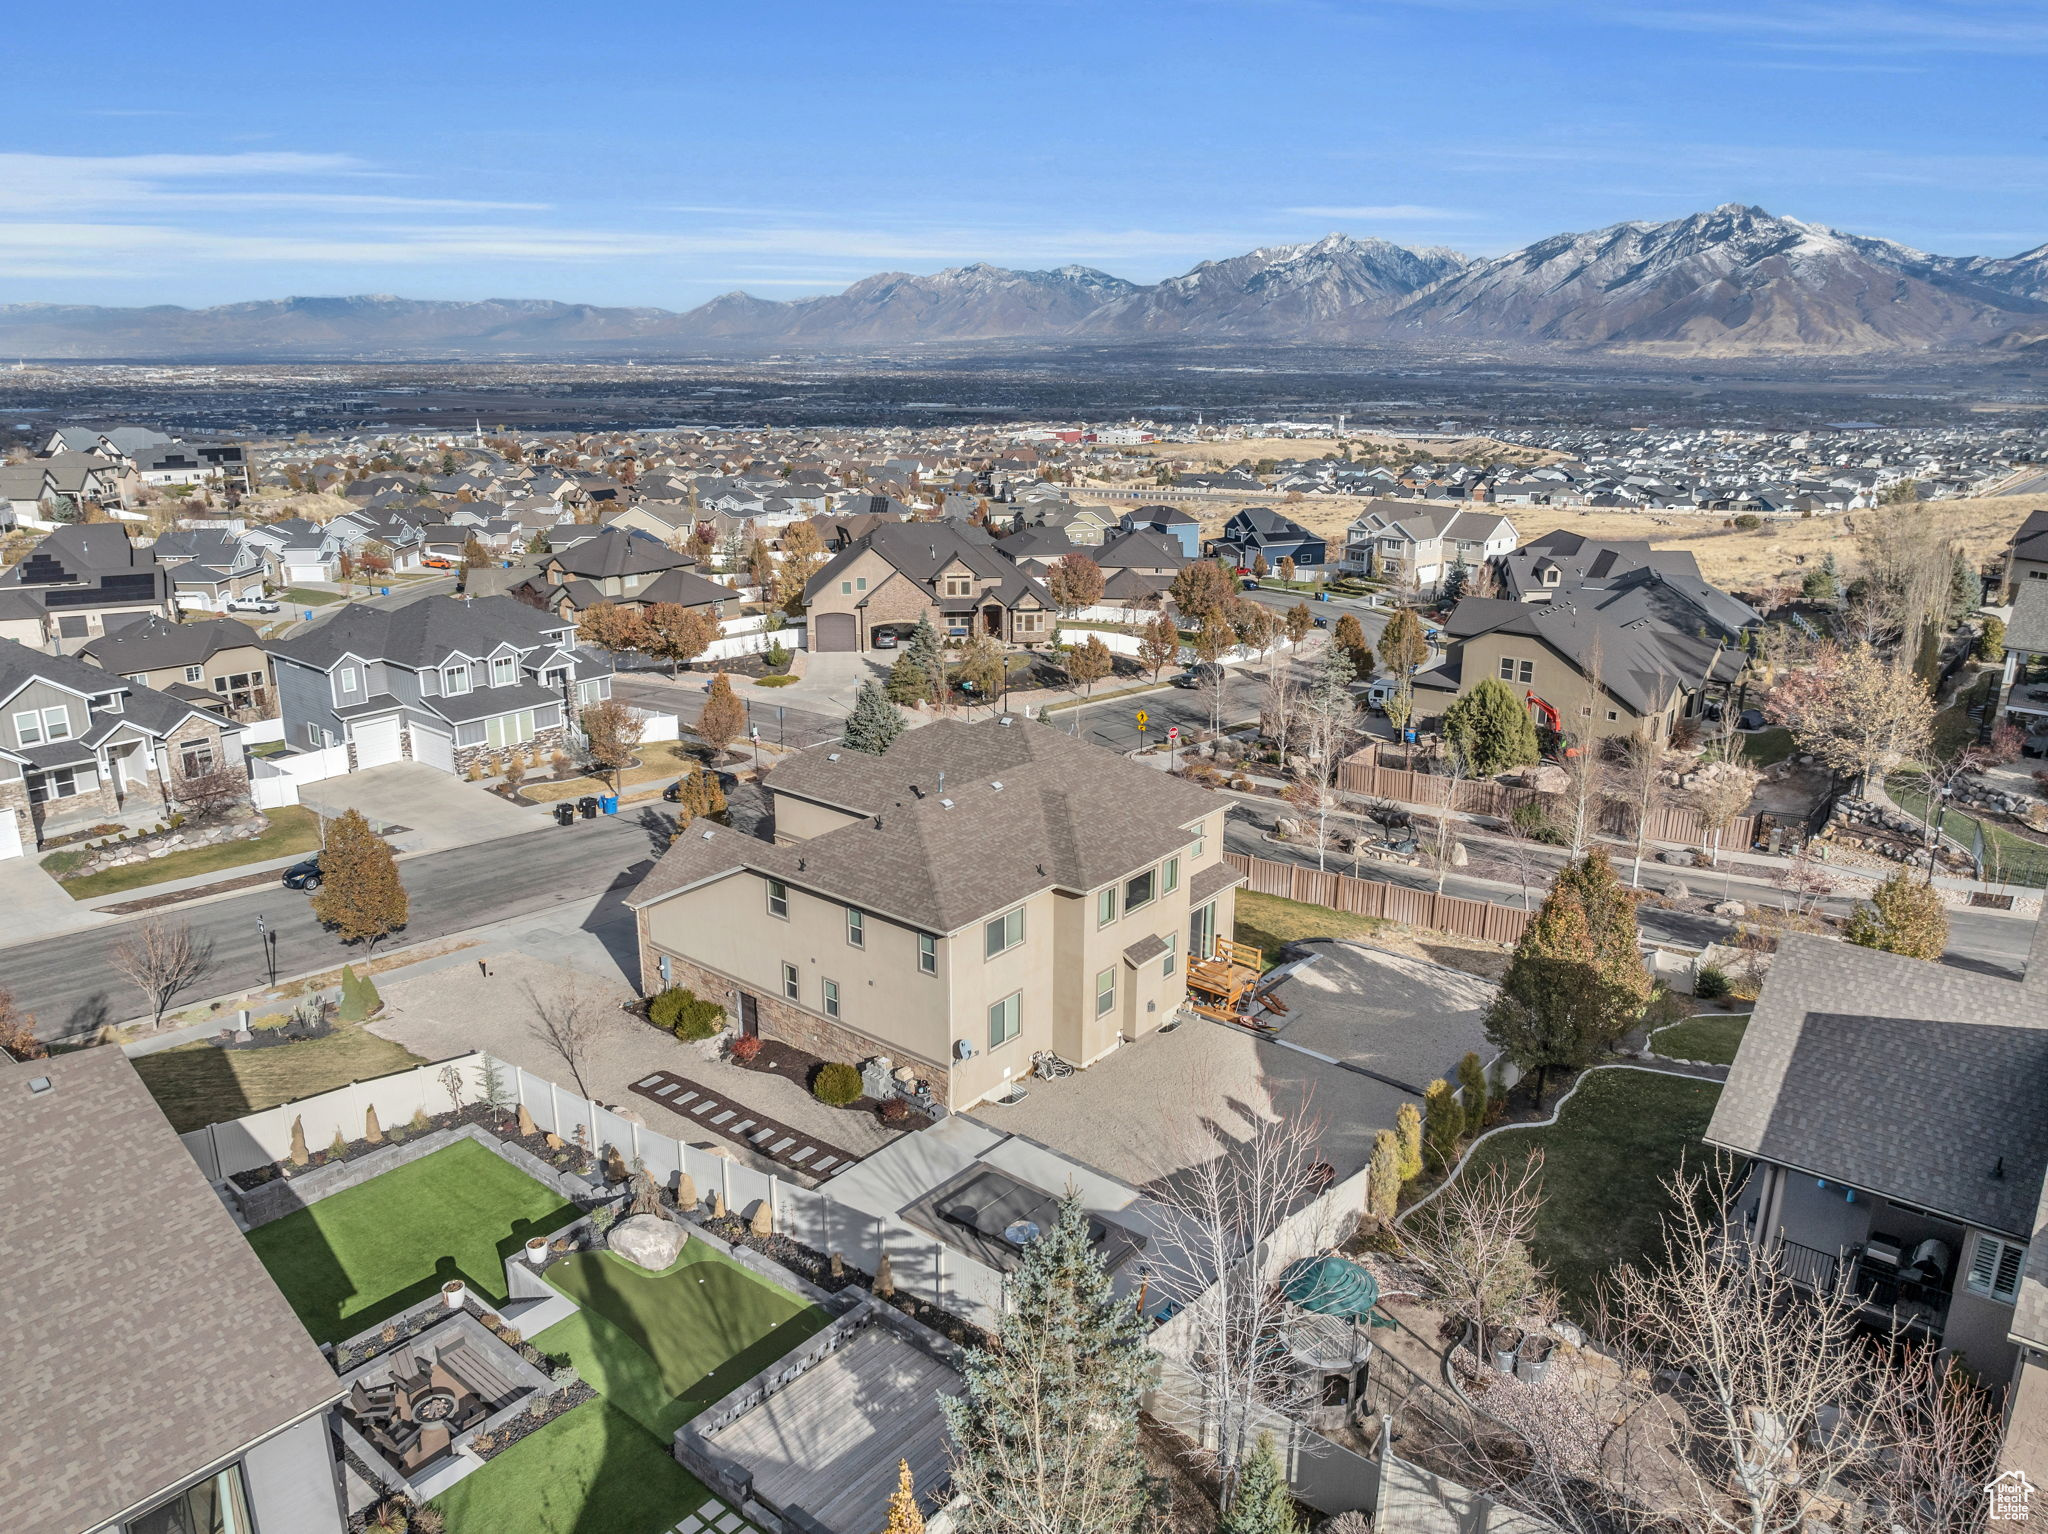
{"points": [[627, 153]]}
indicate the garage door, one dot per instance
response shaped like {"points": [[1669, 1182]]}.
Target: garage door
{"points": [[376, 741], [835, 631], [434, 748]]}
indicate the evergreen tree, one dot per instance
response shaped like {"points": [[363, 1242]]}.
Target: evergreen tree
{"points": [[1455, 582], [1383, 1187], [1046, 1432], [1966, 588], [1408, 1140], [360, 894], [1472, 1081], [1443, 1123], [1823, 584], [874, 722], [1577, 982], [909, 683], [1491, 729], [1903, 916], [927, 653], [1262, 1503]]}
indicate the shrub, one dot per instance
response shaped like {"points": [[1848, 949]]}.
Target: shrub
{"points": [[776, 657], [895, 1110], [746, 1050], [836, 1083], [784, 680], [603, 1217], [1748, 522], [1711, 983], [682, 1012], [1534, 822]]}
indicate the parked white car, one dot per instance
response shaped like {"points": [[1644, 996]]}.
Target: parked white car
{"points": [[253, 605]]}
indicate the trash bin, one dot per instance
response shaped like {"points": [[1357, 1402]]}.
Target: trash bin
{"points": [[383, 591], [588, 805], [609, 804], [565, 814]]}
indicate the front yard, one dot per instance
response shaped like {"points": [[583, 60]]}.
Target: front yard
{"points": [[1605, 1160], [197, 1084], [395, 1240], [293, 829], [659, 762], [2008, 856]]}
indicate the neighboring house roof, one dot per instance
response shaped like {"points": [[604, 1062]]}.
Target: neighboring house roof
{"points": [[2028, 630], [1023, 808], [921, 550], [616, 552], [2031, 541], [1640, 659], [102, 1414], [142, 708], [422, 633], [154, 642], [1921, 1082]]}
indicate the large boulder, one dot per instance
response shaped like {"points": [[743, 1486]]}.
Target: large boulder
{"points": [[648, 1241]]}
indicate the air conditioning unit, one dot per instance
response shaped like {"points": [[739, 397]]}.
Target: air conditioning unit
{"points": [[963, 1049]]}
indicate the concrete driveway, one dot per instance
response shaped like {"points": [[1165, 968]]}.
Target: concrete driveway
{"points": [[36, 904], [438, 808]]}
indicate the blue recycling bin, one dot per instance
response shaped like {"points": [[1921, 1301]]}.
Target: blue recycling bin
{"points": [[383, 591], [609, 803]]}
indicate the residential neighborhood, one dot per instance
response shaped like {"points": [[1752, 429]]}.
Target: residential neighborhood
{"points": [[621, 970]]}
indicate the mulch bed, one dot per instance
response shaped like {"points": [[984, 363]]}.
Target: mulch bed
{"points": [[568, 1157], [179, 897], [792, 1064]]}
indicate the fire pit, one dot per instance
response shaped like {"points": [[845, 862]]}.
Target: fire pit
{"points": [[433, 1406]]}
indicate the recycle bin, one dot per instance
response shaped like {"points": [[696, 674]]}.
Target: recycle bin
{"points": [[609, 804]]}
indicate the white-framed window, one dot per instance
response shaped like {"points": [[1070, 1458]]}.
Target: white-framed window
{"points": [[830, 989], [1003, 934], [778, 899], [504, 670], [454, 681], [1139, 890], [61, 783], [1005, 1018], [1172, 960], [1105, 906], [346, 679], [927, 954], [1201, 846], [195, 673], [792, 983], [1105, 991], [32, 727], [1995, 1266], [856, 927], [505, 730], [1169, 876]]}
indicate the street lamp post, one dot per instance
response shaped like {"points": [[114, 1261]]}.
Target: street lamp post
{"points": [[267, 941]]}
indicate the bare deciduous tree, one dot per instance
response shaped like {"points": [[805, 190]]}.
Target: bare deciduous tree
{"points": [[161, 958], [1473, 1241], [1720, 797], [1638, 778], [566, 1019]]}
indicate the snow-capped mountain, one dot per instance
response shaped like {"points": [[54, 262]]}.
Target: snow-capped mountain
{"points": [[964, 303]]}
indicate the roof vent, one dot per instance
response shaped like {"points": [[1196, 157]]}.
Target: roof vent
{"points": [[996, 784], [709, 834], [831, 756], [1006, 720], [800, 865], [946, 804], [39, 1083]]}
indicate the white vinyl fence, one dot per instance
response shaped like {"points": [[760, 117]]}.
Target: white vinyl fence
{"points": [[921, 1265], [275, 780]]}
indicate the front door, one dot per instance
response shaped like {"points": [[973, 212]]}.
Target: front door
{"points": [[750, 1016], [992, 620]]}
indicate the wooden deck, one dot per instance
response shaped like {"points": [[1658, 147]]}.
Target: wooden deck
{"points": [[828, 1442]]}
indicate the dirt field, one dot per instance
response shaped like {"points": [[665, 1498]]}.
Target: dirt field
{"points": [[1737, 561], [1364, 444]]}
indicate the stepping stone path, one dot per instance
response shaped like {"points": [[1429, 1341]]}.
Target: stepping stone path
{"points": [[714, 1517], [765, 1137]]}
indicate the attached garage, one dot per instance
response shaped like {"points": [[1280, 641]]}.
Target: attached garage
{"points": [[376, 741], [835, 631], [434, 747]]}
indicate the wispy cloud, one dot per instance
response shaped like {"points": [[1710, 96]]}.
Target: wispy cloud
{"points": [[1857, 26], [1391, 212]]}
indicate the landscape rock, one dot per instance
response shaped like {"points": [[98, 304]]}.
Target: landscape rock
{"points": [[648, 1241], [1459, 857], [1730, 908], [1680, 890]]}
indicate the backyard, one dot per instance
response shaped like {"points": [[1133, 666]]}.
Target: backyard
{"points": [[292, 829], [369, 1251], [1605, 1160], [663, 1346], [590, 1471], [2008, 856], [197, 1084], [1711, 1038], [1271, 922]]}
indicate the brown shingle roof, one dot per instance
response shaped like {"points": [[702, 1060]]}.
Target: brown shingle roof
{"points": [[143, 1340]]}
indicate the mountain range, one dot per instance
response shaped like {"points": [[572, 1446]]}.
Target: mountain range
{"points": [[1733, 282]]}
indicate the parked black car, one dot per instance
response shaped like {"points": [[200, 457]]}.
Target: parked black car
{"points": [[727, 782], [303, 875], [1196, 676]]}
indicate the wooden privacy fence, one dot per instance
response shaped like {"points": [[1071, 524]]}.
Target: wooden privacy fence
{"points": [[1362, 774], [1373, 897]]}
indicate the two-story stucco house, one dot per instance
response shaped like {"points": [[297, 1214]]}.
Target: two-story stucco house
{"points": [[1416, 547], [219, 665], [955, 576], [80, 746], [441, 681], [618, 565], [975, 895]]}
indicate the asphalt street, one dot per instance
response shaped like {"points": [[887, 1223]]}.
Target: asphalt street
{"points": [[778, 723], [71, 988]]}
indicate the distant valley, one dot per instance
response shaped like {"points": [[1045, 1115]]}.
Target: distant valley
{"points": [[1734, 282]]}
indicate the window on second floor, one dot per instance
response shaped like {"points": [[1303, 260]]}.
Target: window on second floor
{"points": [[1105, 906], [778, 899], [348, 679], [504, 670], [195, 673], [33, 727], [1512, 670], [454, 681], [927, 953], [1003, 934], [1995, 1268], [1138, 891], [959, 586], [856, 927], [1169, 876]]}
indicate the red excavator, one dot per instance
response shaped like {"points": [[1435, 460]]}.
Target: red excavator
{"points": [[1550, 719]]}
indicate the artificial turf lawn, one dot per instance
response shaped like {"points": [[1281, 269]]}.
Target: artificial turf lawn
{"points": [[1708, 1038], [1604, 1164], [370, 1251], [591, 1471], [663, 1346]]}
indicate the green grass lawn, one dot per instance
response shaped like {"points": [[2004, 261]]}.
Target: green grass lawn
{"points": [[1710, 1038], [293, 829], [591, 1471], [663, 1346], [363, 1254], [1621, 1134], [1766, 747], [1271, 923], [2009, 858], [197, 1085]]}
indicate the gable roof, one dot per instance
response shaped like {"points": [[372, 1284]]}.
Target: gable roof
{"points": [[618, 551], [421, 633], [100, 1416], [154, 642]]}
